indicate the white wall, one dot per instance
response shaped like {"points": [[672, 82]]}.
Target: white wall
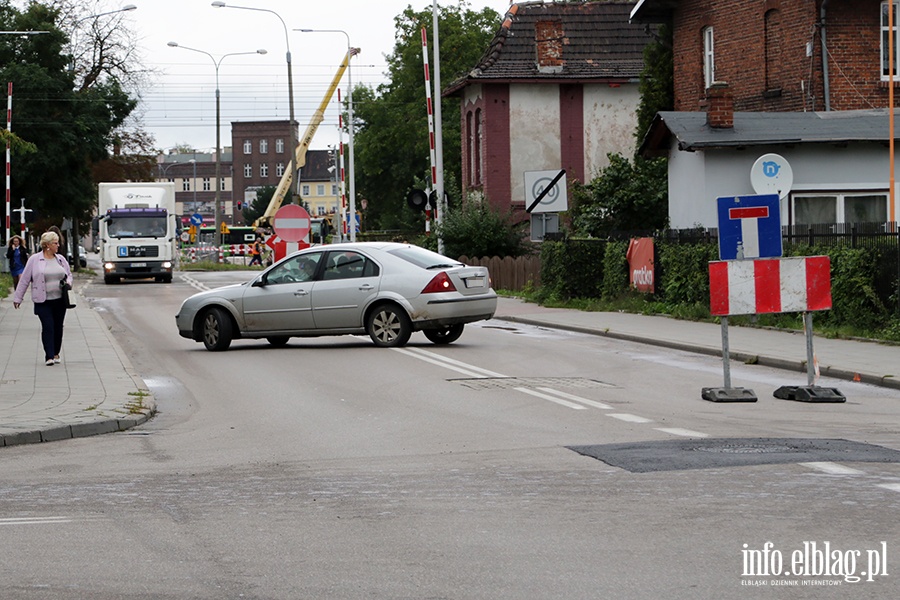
{"points": [[609, 123], [533, 132], [697, 179]]}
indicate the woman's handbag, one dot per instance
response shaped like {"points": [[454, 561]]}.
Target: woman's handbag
{"points": [[65, 287]]}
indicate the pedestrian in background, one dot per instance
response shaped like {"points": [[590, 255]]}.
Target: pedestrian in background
{"points": [[17, 255], [46, 272], [255, 253]]}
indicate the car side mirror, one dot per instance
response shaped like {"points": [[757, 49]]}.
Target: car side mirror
{"points": [[260, 282]]}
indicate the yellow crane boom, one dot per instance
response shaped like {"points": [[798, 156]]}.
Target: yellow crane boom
{"points": [[300, 153]]}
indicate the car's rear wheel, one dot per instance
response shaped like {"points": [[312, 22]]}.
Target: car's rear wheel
{"points": [[217, 329], [278, 340], [444, 335], [389, 326]]}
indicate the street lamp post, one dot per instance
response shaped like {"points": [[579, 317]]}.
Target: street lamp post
{"points": [[352, 218], [293, 132], [217, 64]]}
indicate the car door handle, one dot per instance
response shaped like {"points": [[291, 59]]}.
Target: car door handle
{"points": [[366, 287], [301, 293]]}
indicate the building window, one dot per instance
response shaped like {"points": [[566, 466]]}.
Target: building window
{"points": [[206, 184], [334, 189], [305, 190], [885, 74], [279, 169], [263, 146], [264, 170], [185, 185], [478, 146], [839, 208], [473, 147], [222, 184], [321, 210], [279, 145], [320, 189], [248, 147], [248, 171], [709, 60]]}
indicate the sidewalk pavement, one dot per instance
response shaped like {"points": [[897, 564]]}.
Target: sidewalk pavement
{"points": [[95, 389]]}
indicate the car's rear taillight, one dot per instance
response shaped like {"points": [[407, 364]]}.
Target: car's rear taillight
{"points": [[440, 283]]}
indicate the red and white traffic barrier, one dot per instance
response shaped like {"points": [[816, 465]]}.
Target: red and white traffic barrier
{"points": [[769, 285]]}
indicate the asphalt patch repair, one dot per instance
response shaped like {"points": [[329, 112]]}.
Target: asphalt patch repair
{"points": [[680, 455]]}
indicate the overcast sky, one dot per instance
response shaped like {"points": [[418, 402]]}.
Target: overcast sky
{"points": [[179, 106]]}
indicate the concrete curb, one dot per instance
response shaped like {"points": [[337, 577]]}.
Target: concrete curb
{"points": [[758, 359]]}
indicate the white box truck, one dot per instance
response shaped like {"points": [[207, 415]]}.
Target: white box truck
{"points": [[137, 231]]}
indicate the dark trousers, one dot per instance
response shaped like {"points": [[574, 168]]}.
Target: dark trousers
{"points": [[52, 313]]}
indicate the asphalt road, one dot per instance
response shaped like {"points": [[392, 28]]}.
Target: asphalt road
{"points": [[334, 469]]}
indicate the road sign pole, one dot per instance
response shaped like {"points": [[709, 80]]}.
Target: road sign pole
{"points": [[726, 358]]}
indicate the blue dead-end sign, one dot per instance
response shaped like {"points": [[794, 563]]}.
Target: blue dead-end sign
{"points": [[749, 227]]}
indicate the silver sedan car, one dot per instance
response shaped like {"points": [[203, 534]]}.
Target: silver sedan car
{"points": [[386, 290]]}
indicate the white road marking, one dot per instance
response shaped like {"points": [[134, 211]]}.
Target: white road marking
{"points": [[832, 468], [894, 487], [629, 418], [34, 520], [451, 361], [551, 398], [682, 432], [599, 405], [194, 283], [469, 371]]}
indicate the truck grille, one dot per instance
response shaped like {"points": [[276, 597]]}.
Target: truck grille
{"points": [[142, 251]]}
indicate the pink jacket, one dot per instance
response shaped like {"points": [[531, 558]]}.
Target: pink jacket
{"points": [[34, 275]]}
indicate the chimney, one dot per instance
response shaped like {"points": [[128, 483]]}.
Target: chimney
{"points": [[719, 106], [548, 43]]}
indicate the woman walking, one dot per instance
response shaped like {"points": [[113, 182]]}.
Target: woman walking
{"points": [[17, 255], [47, 272]]}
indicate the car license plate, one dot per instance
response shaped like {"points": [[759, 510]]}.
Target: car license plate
{"points": [[143, 264], [475, 282]]}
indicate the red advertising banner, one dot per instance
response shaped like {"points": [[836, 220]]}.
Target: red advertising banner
{"points": [[640, 265]]}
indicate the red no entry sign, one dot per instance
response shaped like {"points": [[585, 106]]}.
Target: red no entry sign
{"points": [[291, 223]]}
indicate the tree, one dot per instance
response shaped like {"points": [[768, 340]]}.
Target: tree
{"points": [[478, 230], [392, 143], [624, 197], [73, 127], [257, 208], [657, 86]]}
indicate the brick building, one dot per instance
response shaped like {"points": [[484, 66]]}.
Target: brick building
{"points": [[193, 174], [805, 80], [557, 88], [261, 155], [770, 52]]}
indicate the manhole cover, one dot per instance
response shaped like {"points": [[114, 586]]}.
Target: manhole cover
{"points": [[743, 449], [675, 455]]}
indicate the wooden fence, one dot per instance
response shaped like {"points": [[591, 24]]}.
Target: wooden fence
{"points": [[509, 273]]}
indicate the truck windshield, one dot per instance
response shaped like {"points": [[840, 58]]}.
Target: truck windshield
{"points": [[134, 226]]}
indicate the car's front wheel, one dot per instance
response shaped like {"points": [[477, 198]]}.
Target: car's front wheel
{"points": [[444, 335], [216, 330], [389, 326]]}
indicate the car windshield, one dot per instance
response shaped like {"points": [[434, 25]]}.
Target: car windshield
{"points": [[122, 227], [424, 258]]}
